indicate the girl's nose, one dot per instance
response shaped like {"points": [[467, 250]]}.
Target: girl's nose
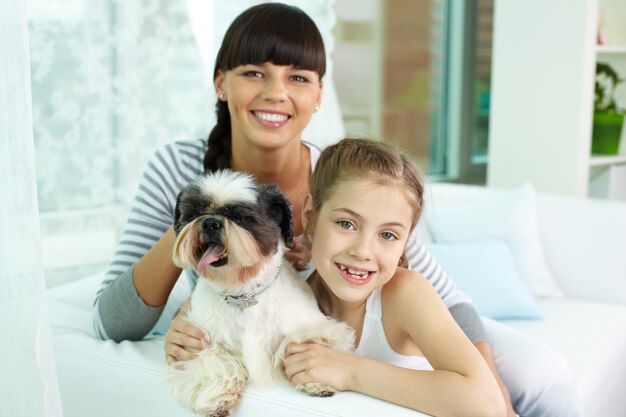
{"points": [[361, 247]]}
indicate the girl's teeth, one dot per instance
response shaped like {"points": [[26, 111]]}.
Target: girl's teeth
{"points": [[360, 274]]}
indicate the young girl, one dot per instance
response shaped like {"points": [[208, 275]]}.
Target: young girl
{"points": [[365, 201]]}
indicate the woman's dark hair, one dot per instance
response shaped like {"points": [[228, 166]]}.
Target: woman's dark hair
{"points": [[270, 32]]}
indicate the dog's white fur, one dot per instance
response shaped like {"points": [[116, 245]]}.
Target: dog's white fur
{"points": [[248, 344]]}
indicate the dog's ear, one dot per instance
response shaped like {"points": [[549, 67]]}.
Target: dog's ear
{"points": [[280, 209], [178, 209], [177, 225]]}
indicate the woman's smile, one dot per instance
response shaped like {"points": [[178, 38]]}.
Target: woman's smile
{"points": [[270, 119]]}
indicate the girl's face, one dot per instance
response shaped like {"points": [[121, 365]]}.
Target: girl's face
{"points": [[269, 104], [359, 236]]}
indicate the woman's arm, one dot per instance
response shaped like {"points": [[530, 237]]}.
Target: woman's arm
{"points": [[157, 262], [461, 383], [141, 274]]}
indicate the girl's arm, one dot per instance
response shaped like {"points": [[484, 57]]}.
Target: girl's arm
{"points": [[459, 305], [461, 383]]}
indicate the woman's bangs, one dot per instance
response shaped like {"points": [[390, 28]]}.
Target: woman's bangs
{"points": [[295, 48]]}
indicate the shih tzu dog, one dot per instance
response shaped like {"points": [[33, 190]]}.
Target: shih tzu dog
{"points": [[251, 303]]}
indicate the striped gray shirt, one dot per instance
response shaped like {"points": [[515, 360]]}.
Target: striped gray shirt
{"points": [[119, 312]]}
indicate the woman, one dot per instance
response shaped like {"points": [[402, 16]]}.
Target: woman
{"points": [[268, 78]]}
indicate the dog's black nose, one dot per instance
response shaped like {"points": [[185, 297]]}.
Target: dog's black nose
{"points": [[211, 224]]}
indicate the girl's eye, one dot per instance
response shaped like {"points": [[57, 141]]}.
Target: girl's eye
{"points": [[345, 224], [388, 236]]}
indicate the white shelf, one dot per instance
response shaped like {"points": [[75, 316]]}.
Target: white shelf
{"points": [[601, 160], [610, 49]]}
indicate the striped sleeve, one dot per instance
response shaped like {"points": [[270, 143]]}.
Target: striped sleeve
{"points": [[119, 312], [459, 304]]}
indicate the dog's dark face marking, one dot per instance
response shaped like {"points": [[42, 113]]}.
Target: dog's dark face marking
{"points": [[266, 215]]}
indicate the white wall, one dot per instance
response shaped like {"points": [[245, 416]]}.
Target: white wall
{"points": [[542, 94]]}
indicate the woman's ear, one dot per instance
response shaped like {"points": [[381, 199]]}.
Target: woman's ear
{"points": [[318, 102], [218, 83]]}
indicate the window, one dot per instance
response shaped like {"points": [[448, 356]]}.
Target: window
{"points": [[390, 63], [111, 81]]}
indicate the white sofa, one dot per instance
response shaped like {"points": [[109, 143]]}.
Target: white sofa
{"points": [[584, 243]]}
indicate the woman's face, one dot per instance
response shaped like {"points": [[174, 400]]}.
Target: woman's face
{"points": [[269, 104]]}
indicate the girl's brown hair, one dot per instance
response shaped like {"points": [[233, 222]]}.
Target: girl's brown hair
{"points": [[270, 32], [369, 159]]}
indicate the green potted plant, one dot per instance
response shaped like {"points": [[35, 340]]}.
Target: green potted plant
{"points": [[607, 117]]}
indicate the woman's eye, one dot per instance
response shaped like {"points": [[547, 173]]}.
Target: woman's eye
{"points": [[388, 236], [345, 224], [252, 74], [300, 78]]}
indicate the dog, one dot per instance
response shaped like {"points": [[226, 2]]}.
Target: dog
{"points": [[251, 303]]}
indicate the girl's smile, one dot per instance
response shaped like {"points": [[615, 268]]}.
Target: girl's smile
{"points": [[354, 275]]}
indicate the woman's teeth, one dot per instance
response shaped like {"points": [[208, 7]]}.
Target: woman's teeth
{"points": [[271, 117]]}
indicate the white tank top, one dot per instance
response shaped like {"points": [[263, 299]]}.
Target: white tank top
{"points": [[373, 343]]}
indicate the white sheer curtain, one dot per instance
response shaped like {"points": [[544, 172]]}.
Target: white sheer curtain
{"points": [[28, 382], [112, 80]]}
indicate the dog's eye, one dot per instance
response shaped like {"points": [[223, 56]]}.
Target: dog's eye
{"points": [[237, 216], [243, 219]]}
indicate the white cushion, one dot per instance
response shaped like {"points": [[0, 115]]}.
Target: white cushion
{"points": [[585, 244], [485, 270], [460, 213], [591, 336]]}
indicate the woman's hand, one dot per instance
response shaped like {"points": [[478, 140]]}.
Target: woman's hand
{"points": [[310, 362], [299, 255], [183, 339]]}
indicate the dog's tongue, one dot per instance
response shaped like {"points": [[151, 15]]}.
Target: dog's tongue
{"points": [[212, 254]]}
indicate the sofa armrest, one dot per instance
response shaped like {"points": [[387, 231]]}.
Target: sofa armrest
{"points": [[585, 246]]}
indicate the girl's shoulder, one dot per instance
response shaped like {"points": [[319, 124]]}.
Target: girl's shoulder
{"points": [[405, 288], [404, 280], [408, 300], [404, 300]]}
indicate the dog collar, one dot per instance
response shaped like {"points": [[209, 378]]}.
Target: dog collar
{"points": [[249, 298]]}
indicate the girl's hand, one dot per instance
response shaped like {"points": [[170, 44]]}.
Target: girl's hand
{"points": [[310, 362], [298, 255], [183, 339]]}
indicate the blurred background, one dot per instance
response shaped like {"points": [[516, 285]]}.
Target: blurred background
{"points": [[113, 80]]}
